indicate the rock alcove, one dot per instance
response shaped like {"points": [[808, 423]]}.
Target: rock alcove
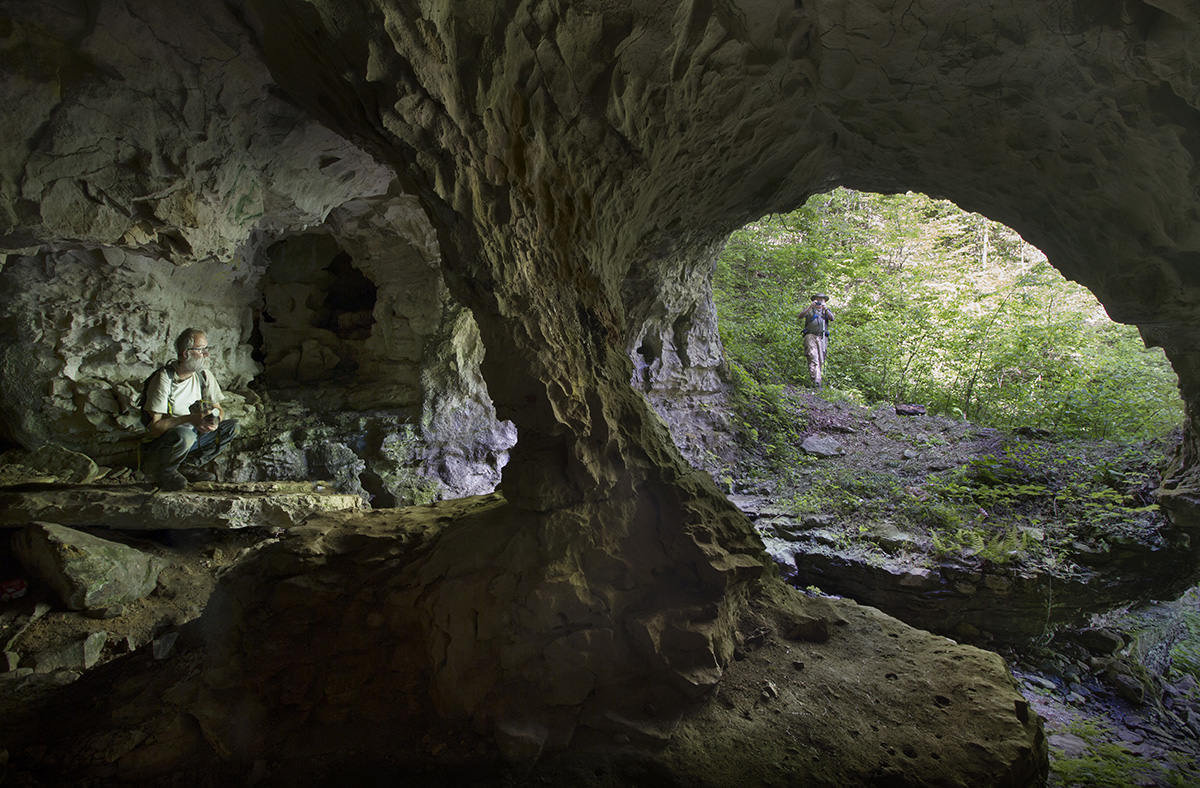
{"points": [[535, 191]]}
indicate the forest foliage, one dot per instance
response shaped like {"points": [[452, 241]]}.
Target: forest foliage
{"points": [[935, 306]]}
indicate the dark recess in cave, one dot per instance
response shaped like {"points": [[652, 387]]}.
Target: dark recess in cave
{"points": [[350, 301]]}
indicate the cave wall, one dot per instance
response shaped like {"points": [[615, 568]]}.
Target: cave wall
{"points": [[679, 362], [579, 159], [156, 179], [83, 329], [567, 150]]}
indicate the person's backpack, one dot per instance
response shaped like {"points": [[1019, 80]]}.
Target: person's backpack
{"points": [[141, 400], [815, 324]]}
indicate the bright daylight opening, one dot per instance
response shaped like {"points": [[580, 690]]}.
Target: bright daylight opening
{"points": [[983, 454], [938, 307], [981, 458]]}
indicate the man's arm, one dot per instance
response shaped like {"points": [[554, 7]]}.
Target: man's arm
{"points": [[160, 422]]}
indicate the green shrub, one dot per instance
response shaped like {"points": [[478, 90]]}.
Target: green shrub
{"points": [[1104, 765]]}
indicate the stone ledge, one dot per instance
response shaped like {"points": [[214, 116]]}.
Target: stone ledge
{"points": [[144, 508]]}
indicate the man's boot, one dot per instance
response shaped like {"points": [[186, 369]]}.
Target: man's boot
{"points": [[196, 474], [171, 481]]}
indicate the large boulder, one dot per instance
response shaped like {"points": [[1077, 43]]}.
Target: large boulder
{"points": [[87, 572]]}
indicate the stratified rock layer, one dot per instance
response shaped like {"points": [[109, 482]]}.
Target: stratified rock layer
{"points": [[205, 505]]}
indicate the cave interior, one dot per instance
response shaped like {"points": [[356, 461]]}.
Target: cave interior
{"points": [[463, 250]]}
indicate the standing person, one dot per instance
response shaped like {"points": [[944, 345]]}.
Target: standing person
{"points": [[816, 320], [182, 411]]}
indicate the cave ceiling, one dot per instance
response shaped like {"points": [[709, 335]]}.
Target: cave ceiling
{"points": [[566, 149]]}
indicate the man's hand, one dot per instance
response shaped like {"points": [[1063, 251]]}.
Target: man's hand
{"points": [[202, 421], [204, 417], [205, 422]]}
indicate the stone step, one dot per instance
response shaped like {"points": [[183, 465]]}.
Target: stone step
{"points": [[140, 507]]}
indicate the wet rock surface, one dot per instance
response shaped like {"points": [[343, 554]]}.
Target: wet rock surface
{"points": [[1115, 707]]}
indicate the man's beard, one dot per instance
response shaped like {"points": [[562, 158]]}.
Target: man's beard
{"points": [[189, 365]]}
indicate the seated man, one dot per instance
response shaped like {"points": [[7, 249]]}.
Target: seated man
{"points": [[185, 429]]}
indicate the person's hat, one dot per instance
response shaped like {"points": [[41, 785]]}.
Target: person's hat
{"points": [[820, 297]]}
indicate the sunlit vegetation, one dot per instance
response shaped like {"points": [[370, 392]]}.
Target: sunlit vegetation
{"points": [[934, 306], [1070, 415], [1025, 503]]}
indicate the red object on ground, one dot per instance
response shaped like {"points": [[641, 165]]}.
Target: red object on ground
{"points": [[13, 589]]}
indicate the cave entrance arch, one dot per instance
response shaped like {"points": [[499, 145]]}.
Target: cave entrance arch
{"points": [[843, 469], [938, 306]]}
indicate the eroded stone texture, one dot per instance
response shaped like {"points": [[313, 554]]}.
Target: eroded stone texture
{"points": [[154, 128], [678, 360], [166, 184], [49, 463], [567, 149], [359, 624]]}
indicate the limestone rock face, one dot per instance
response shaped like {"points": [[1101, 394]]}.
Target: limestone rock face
{"points": [[696, 119], [204, 505], [148, 199], [678, 361], [156, 129], [87, 572], [49, 463]]}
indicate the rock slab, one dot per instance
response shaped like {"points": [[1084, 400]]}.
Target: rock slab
{"points": [[86, 571], [264, 505]]}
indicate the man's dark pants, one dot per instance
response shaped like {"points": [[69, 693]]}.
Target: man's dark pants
{"points": [[183, 445]]}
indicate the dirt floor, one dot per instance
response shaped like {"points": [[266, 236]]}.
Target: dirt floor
{"points": [[781, 711], [38, 624], [1152, 748]]}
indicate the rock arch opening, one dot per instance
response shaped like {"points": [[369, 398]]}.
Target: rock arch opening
{"points": [[857, 494], [579, 155], [941, 307], [316, 314]]}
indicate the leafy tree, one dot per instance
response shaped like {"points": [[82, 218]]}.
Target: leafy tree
{"points": [[938, 306]]}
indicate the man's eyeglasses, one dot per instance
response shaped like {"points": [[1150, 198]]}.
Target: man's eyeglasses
{"points": [[203, 351]]}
